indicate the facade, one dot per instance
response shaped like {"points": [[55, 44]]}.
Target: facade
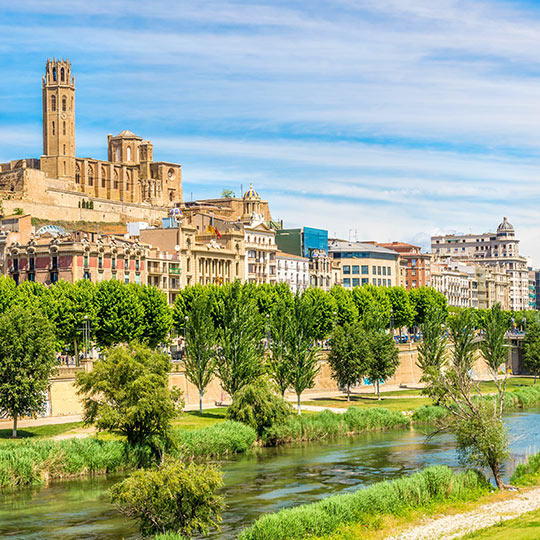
{"points": [[360, 264], [302, 242], [500, 250], [493, 287], [53, 255], [292, 270], [457, 282], [87, 188], [532, 289], [320, 270], [415, 265]]}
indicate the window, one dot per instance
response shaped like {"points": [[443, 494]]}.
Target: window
{"points": [[64, 104], [64, 150], [53, 129], [87, 275], [113, 263], [53, 103], [355, 269], [90, 176], [31, 276], [384, 282], [100, 261], [384, 271], [389, 271], [32, 264], [374, 270], [137, 265], [365, 281], [365, 269], [129, 153], [347, 282], [379, 282], [63, 128], [346, 269], [54, 73], [379, 271], [54, 277], [355, 282], [374, 281], [62, 74], [54, 262], [126, 279]]}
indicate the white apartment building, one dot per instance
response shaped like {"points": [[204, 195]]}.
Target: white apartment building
{"points": [[500, 250], [458, 285], [293, 270]]}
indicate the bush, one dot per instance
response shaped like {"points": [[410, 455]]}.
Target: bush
{"points": [[328, 424], [256, 405], [31, 462], [215, 441], [428, 414], [434, 484], [175, 498], [527, 474]]}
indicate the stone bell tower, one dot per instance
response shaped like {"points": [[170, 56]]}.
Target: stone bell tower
{"points": [[58, 160]]}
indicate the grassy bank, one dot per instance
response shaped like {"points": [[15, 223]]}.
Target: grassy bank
{"points": [[367, 506], [48, 430], [525, 527]]}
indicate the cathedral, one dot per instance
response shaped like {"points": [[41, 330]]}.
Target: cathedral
{"points": [[129, 185]]}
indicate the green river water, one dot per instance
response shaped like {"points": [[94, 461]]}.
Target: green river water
{"points": [[266, 480]]}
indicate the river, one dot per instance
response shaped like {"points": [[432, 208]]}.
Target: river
{"points": [[266, 480]]}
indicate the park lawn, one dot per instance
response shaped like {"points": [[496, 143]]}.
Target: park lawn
{"points": [[525, 527], [48, 430], [196, 420], [366, 402], [513, 383]]}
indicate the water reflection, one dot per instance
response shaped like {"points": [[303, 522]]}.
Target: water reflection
{"points": [[265, 481]]}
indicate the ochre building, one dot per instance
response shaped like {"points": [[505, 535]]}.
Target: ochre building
{"points": [[129, 185]]}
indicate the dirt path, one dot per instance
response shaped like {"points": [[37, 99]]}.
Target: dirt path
{"points": [[457, 525]]}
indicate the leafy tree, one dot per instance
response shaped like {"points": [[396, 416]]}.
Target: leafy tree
{"points": [[119, 313], [494, 324], [176, 497], [227, 193], [258, 406], [325, 311], [432, 348], [7, 293], [157, 317], [347, 312], [268, 296], [374, 306], [383, 359], [200, 356], [27, 361], [480, 432], [421, 298], [531, 350], [240, 340], [128, 392], [402, 309], [349, 354], [301, 351]]}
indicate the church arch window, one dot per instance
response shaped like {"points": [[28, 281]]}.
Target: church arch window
{"points": [[53, 129], [129, 153], [115, 177], [118, 154], [90, 175], [77, 174], [64, 168], [103, 177], [53, 103], [64, 103], [64, 149], [62, 74], [54, 74], [63, 128]]}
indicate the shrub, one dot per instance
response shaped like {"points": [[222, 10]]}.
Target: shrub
{"points": [[219, 440], [172, 498], [527, 474], [30, 462], [256, 405], [434, 484], [429, 414]]}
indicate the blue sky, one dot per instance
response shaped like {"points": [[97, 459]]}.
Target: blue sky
{"points": [[376, 119]]}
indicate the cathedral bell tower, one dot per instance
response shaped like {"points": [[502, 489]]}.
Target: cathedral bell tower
{"points": [[58, 160]]}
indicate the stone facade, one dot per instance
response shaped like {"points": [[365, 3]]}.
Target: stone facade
{"points": [[292, 270], [415, 264]]}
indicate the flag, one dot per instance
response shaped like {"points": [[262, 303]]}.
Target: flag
{"points": [[210, 229], [218, 234]]}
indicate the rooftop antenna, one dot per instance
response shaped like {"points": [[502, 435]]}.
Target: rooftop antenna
{"points": [[241, 189]]}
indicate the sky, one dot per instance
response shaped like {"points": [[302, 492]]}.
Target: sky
{"points": [[387, 120]]}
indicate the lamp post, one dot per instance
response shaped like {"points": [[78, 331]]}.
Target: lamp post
{"points": [[86, 332]]}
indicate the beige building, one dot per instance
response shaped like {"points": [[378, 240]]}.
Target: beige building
{"points": [[320, 270], [130, 185], [364, 263], [457, 281], [493, 287], [499, 250]]}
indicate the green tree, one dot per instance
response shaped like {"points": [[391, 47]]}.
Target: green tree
{"points": [[227, 193], [119, 314], [176, 497], [531, 350], [421, 298], [303, 355], [480, 432], [383, 359], [7, 293], [432, 348], [157, 317], [240, 340], [200, 356], [325, 312], [402, 309], [257, 405], [494, 324], [27, 361], [347, 312], [128, 392], [349, 354]]}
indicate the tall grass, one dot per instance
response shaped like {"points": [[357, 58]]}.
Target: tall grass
{"points": [[434, 484], [527, 474], [219, 440], [35, 461], [328, 424]]}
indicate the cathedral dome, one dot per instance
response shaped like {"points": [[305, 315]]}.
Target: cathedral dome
{"points": [[251, 193]]}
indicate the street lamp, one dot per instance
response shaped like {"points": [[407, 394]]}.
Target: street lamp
{"points": [[86, 336]]}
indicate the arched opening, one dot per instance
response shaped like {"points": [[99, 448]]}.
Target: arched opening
{"points": [[77, 174], [63, 128], [53, 129], [129, 153], [64, 103], [103, 177], [118, 154], [53, 103], [54, 73], [90, 176], [115, 176], [64, 168], [64, 149], [62, 74]]}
